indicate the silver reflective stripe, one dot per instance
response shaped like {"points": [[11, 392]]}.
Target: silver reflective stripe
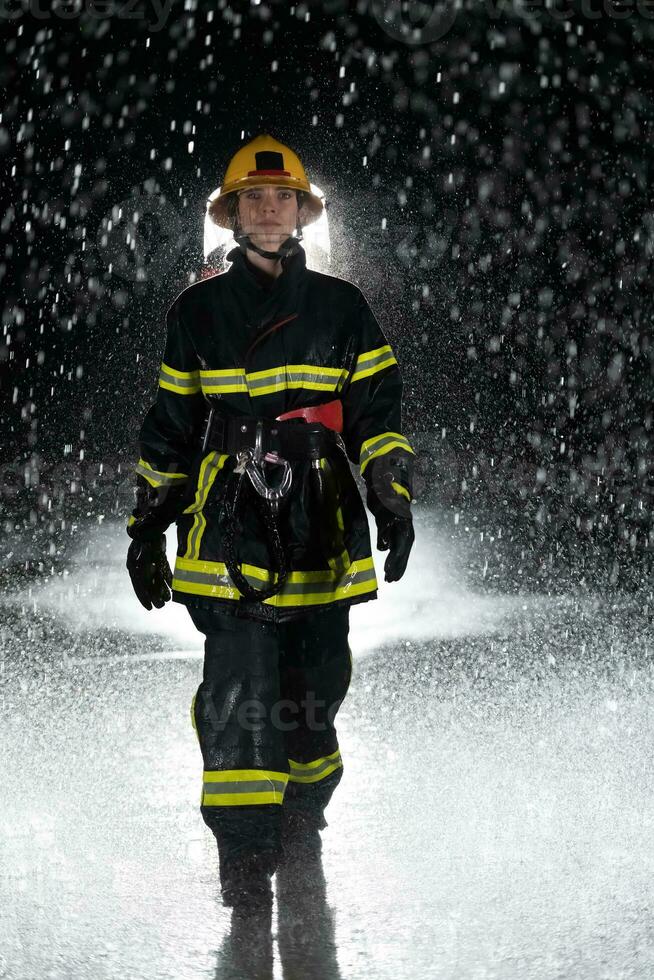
{"points": [[252, 786], [284, 378], [289, 588], [208, 472], [378, 444], [192, 381], [220, 380], [315, 770], [197, 529], [205, 578], [386, 358], [157, 478], [299, 588]]}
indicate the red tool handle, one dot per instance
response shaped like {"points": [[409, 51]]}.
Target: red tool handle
{"points": [[330, 414]]}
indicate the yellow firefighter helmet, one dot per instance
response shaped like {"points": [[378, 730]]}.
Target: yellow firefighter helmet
{"points": [[263, 161]]}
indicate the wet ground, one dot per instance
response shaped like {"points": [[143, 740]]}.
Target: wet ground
{"points": [[494, 819]]}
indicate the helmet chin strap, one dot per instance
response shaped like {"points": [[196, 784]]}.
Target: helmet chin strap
{"points": [[290, 246]]}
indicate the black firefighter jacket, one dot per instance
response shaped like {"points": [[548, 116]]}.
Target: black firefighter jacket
{"points": [[220, 347]]}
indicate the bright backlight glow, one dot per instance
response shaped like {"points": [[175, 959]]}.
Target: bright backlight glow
{"points": [[315, 238]]}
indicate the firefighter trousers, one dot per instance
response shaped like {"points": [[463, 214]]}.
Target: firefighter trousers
{"points": [[264, 716]]}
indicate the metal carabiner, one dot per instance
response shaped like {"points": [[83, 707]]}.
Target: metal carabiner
{"points": [[252, 462], [258, 441], [257, 476]]}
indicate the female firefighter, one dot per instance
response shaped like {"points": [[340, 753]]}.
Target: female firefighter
{"points": [[273, 376]]}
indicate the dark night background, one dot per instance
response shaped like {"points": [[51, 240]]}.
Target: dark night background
{"points": [[511, 158]]}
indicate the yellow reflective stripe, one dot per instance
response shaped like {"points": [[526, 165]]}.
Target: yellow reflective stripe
{"points": [[240, 775], [314, 377], [180, 382], [178, 389], [241, 799], [225, 389], [292, 384], [314, 764], [368, 371], [224, 381], [313, 772], [279, 600], [380, 445], [221, 374], [372, 361], [338, 563], [198, 528], [373, 355], [297, 369], [320, 577], [293, 376], [396, 444], [190, 376], [316, 777], [318, 587], [401, 490], [375, 440], [157, 478], [211, 466], [238, 787]]}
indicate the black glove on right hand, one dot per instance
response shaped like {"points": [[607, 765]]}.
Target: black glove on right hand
{"points": [[394, 533], [390, 480], [150, 572]]}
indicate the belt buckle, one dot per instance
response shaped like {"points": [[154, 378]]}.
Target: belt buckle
{"points": [[266, 428]]}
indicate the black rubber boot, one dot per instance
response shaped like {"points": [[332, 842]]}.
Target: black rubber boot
{"points": [[301, 834], [245, 882]]}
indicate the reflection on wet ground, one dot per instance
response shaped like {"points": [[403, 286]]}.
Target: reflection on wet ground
{"points": [[494, 818]]}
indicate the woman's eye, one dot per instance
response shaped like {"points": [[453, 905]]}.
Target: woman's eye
{"points": [[255, 195]]}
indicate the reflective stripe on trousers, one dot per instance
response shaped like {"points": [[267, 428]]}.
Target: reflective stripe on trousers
{"points": [[264, 716]]}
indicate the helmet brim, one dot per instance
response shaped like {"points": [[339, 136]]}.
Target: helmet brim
{"points": [[219, 205]]}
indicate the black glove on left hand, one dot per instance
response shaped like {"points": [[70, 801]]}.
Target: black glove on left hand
{"points": [[150, 572]]}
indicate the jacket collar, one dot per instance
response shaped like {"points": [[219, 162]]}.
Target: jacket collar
{"points": [[271, 302], [292, 266]]}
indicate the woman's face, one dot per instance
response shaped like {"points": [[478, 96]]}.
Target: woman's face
{"points": [[268, 214]]}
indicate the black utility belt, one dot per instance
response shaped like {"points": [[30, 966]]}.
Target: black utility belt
{"points": [[289, 439]]}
